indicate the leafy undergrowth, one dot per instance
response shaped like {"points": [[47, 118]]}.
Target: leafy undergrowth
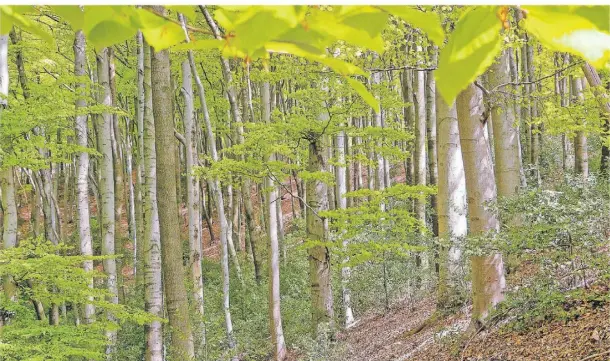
{"points": [[580, 332]]}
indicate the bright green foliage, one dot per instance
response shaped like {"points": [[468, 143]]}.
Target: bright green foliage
{"points": [[427, 21], [471, 49], [15, 15], [52, 275], [580, 30], [392, 229]]}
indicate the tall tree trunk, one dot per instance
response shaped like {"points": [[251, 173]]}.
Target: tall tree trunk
{"points": [[151, 242], [581, 163], [409, 118], [487, 270], [7, 181], [319, 255], [106, 184], [419, 154], [451, 206], [82, 177], [139, 250], [564, 89], [192, 191], [380, 172], [275, 316], [535, 128], [215, 183], [182, 347], [604, 107], [506, 132], [431, 134], [342, 182]]}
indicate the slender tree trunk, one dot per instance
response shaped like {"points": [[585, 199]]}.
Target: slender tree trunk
{"points": [[215, 184], [342, 181], [380, 172], [431, 134], [409, 118], [192, 191], [106, 184], [151, 242], [419, 154], [82, 177], [275, 316], [138, 249], [581, 163], [564, 88], [487, 270], [604, 107]]}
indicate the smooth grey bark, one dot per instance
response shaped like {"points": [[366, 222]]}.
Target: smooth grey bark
{"points": [[181, 347], [319, 255], [431, 137], [488, 281], [604, 107], [106, 185], [419, 153], [275, 316], [506, 143], [82, 171], [7, 180], [192, 191], [342, 182], [451, 206], [138, 249], [151, 242], [581, 163], [217, 190]]}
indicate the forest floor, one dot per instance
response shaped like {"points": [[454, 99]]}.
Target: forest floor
{"points": [[390, 336]]}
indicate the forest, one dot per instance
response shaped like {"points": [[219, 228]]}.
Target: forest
{"points": [[304, 183]]}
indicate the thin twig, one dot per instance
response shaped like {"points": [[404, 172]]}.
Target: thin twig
{"points": [[595, 355]]}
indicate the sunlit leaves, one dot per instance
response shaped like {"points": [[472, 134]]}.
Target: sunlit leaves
{"points": [[15, 15], [200, 45], [364, 93], [73, 14], [187, 10], [158, 32], [429, 21], [580, 30], [471, 49], [108, 25]]}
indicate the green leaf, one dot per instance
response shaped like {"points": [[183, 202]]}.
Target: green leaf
{"points": [[14, 15], [366, 18], [364, 93], [306, 38], [471, 49], [108, 33], [200, 45], [337, 65], [159, 33], [187, 10], [107, 25], [428, 21], [333, 26], [256, 27], [580, 30], [73, 14]]}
